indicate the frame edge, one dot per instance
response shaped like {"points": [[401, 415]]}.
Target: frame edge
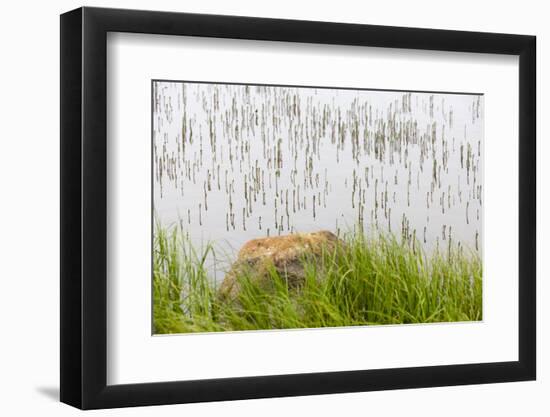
{"points": [[527, 270], [70, 207]]}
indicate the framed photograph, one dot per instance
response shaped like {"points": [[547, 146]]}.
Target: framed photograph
{"points": [[256, 208]]}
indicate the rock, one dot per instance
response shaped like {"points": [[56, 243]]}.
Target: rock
{"points": [[284, 253]]}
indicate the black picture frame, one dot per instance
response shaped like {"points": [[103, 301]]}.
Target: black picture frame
{"points": [[84, 207]]}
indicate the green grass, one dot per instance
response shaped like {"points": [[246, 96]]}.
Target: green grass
{"points": [[364, 282]]}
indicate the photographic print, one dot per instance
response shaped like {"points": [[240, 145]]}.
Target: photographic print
{"points": [[288, 207]]}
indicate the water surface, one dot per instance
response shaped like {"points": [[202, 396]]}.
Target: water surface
{"points": [[237, 162]]}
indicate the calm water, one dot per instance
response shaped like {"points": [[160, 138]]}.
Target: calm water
{"points": [[235, 162]]}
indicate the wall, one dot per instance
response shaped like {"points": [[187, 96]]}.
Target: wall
{"points": [[29, 211]]}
